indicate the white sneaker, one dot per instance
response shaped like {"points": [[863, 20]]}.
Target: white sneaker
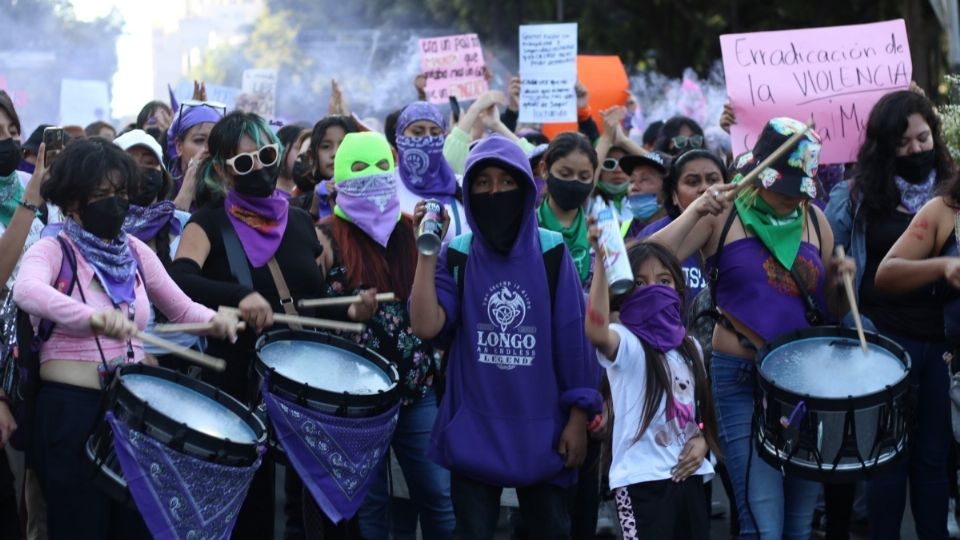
{"points": [[608, 523], [953, 528]]}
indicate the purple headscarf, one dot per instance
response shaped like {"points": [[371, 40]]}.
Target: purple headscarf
{"points": [[198, 114], [421, 164]]}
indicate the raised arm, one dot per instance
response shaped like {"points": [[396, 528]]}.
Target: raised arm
{"points": [[597, 320], [15, 235], [692, 229]]}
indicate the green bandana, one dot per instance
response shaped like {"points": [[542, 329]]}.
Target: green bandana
{"points": [[575, 236], [11, 193], [781, 234], [614, 191]]}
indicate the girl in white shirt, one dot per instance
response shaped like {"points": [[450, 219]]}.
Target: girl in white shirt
{"points": [[663, 425]]}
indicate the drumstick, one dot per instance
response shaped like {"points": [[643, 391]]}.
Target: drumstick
{"points": [[852, 300], [783, 149], [210, 362], [342, 300], [191, 327], [306, 321]]}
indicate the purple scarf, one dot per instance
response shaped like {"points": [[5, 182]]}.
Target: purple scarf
{"points": [[198, 114], [113, 262], [259, 223], [145, 222], [914, 196], [179, 496], [336, 457], [423, 169], [652, 313], [370, 203]]}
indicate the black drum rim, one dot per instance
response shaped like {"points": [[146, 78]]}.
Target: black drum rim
{"points": [[838, 404], [282, 385], [122, 396]]}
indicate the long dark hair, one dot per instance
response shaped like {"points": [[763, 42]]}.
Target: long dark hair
{"points": [[320, 130], [658, 380], [672, 179], [873, 179]]}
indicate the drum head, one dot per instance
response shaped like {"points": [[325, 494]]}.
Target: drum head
{"points": [[832, 367], [184, 405], [324, 366]]}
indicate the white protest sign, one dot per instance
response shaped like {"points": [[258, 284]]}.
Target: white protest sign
{"points": [[548, 71], [259, 92], [83, 101]]}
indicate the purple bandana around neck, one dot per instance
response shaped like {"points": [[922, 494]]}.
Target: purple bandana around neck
{"points": [[914, 196], [420, 161], [112, 262], [259, 223], [198, 114], [145, 222], [337, 458], [652, 313], [179, 496], [370, 203]]}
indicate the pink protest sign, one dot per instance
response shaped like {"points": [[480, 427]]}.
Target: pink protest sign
{"points": [[835, 74], [453, 66]]}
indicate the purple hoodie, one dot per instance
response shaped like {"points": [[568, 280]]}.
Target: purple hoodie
{"points": [[515, 367]]}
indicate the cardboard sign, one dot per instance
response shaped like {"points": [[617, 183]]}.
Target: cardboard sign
{"points": [[548, 69], [259, 92], [453, 66], [835, 74]]}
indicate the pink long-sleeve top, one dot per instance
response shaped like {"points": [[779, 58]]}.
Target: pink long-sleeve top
{"points": [[72, 338]]}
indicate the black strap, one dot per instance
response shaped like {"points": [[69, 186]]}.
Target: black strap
{"points": [[236, 258]]}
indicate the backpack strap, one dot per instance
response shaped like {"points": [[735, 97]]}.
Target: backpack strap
{"points": [[66, 279], [551, 245], [457, 253]]}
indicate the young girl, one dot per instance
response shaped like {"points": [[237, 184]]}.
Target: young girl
{"points": [[661, 399]]}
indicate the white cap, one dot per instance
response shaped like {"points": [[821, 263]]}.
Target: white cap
{"points": [[139, 137]]}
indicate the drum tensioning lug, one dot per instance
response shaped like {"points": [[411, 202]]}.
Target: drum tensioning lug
{"points": [[179, 438]]}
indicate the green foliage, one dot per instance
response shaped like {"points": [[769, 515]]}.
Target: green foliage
{"points": [[950, 115]]}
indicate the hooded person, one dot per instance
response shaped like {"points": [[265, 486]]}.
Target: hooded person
{"points": [[519, 383], [424, 172]]}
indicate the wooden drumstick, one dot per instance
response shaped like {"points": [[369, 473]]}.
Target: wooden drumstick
{"points": [[191, 327], [783, 149], [306, 321], [202, 360], [852, 300], [343, 300]]}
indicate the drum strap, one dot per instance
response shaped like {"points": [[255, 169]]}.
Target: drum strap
{"points": [[286, 300], [236, 258]]}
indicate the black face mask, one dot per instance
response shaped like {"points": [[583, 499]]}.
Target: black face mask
{"points": [[304, 177], [915, 168], [10, 156], [499, 216], [568, 194], [257, 183], [104, 218], [151, 182]]}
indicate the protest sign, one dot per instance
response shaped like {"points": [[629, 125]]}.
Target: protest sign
{"points": [[605, 80], [83, 101], [548, 69], [835, 74], [259, 92], [453, 66]]}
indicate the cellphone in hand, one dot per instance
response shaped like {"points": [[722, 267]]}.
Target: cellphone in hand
{"points": [[53, 143], [455, 107]]}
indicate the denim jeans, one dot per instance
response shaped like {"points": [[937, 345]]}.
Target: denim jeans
{"points": [[772, 506], [544, 507], [925, 464], [428, 483]]}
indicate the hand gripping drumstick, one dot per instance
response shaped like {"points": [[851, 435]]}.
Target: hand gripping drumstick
{"points": [[305, 321], [343, 300], [851, 299], [202, 360], [783, 149]]}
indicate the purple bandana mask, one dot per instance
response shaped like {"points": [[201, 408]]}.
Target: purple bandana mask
{"points": [[370, 203], [423, 168], [914, 196], [145, 222], [652, 313]]}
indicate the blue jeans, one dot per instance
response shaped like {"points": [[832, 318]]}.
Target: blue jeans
{"points": [[428, 483], [925, 464], [772, 506]]}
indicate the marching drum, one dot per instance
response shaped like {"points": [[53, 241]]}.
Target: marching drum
{"points": [[185, 414], [830, 411], [327, 373]]}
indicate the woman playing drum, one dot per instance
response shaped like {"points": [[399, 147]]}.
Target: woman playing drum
{"points": [[770, 231], [114, 273]]}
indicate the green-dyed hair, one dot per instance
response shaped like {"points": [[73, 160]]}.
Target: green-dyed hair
{"points": [[222, 145]]}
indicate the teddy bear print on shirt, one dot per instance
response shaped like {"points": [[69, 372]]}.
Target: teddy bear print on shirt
{"points": [[681, 416]]}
